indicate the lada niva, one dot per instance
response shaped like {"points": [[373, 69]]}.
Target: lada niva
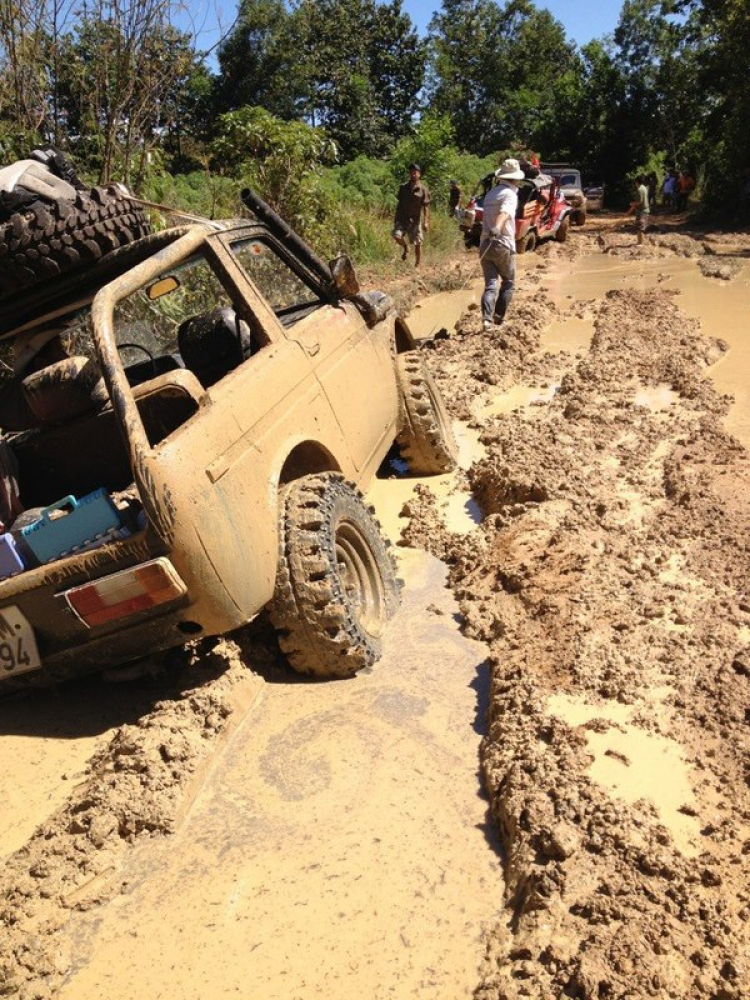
{"points": [[197, 453]]}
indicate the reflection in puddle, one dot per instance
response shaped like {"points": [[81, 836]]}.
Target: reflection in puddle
{"points": [[634, 764], [462, 513]]}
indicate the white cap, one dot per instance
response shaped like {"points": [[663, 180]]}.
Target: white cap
{"points": [[509, 170], [27, 345]]}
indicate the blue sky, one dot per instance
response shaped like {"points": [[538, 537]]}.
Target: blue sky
{"points": [[582, 21]]}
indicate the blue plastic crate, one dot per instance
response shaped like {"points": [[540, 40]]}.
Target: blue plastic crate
{"points": [[83, 522]]}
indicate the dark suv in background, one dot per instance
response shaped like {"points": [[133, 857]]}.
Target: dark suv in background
{"points": [[581, 199]]}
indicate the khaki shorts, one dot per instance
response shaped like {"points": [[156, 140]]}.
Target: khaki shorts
{"points": [[412, 230], [641, 220]]}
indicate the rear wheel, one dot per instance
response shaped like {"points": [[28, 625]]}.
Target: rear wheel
{"points": [[579, 217], [562, 230], [336, 585], [426, 439]]}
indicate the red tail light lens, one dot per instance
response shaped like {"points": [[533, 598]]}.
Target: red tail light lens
{"points": [[126, 593]]}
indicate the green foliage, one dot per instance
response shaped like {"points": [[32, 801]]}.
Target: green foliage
{"points": [[495, 69], [281, 160], [354, 67], [202, 193]]}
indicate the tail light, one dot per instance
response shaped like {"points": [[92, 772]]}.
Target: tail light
{"points": [[126, 593]]}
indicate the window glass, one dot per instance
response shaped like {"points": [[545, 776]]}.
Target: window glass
{"points": [[153, 323], [284, 291]]}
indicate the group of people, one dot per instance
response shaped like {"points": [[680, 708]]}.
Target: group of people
{"points": [[676, 189], [498, 242]]}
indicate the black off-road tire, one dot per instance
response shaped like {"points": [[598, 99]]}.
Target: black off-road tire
{"points": [[579, 217], [527, 243], [426, 440], [48, 239], [562, 230], [336, 584]]}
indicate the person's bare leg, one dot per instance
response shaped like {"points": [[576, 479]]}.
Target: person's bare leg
{"points": [[417, 254], [404, 249]]}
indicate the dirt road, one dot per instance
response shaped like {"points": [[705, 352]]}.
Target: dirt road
{"points": [[215, 831]]}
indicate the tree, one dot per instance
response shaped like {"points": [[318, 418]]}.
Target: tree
{"points": [[719, 34], [121, 75], [280, 159], [354, 67], [495, 70], [257, 65]]}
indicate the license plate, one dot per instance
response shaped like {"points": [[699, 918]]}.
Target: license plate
{"points": [[18, 652]]}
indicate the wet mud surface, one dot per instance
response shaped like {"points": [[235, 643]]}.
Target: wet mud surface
{"points": [[609, 578], [596, 539]]}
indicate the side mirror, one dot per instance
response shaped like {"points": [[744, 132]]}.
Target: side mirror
{"points": [[344, 278]]}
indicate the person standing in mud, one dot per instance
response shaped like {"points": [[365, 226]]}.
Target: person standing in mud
{"points": [[641, 207], [497, 250], [669, 191], [685, 185], [412, 214], [454, 197]]}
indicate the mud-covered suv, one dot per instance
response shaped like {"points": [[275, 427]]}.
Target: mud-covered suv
{"points": [[198, 455], [569, 179]]}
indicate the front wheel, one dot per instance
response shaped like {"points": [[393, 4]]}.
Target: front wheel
{"points": [[336, 585], [426, 440], [527, 243], [562, 230]]}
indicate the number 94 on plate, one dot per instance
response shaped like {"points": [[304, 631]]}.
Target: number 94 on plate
{"points": [[18, 650]]}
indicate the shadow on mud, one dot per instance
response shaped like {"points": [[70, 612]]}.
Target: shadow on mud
{"points": [[95, 703], [84, 707]]}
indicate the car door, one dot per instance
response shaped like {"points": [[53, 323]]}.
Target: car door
{"points": [[352, 362]]}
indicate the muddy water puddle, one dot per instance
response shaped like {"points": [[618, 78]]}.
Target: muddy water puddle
{"points": [[442, 310], [459, 510], [568, 333], [336, 850], [721, 306], [518, 397], [634, 764]]}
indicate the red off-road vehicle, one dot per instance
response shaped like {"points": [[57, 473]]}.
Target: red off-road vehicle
{"points": [[542, 212]]}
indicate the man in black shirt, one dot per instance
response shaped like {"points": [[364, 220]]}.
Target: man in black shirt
{"points": [[412, 213]]}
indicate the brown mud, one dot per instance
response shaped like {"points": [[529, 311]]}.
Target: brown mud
{"points": [[609, 577], [597, 539]]}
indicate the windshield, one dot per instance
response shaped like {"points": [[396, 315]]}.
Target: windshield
{"points": [[283, 289], [150, 319], [568, 179]]}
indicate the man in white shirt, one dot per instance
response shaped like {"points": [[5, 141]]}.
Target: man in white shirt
{"points": [[497, 250]]}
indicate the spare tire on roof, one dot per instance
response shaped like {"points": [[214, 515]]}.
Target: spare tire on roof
{"points": [[51, 225]]}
